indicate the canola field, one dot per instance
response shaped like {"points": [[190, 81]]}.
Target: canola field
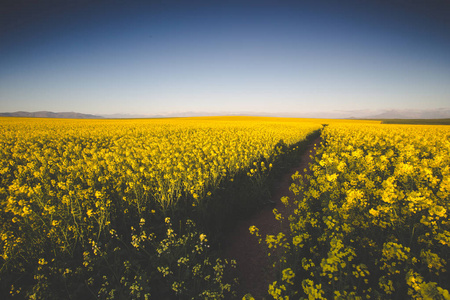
{"points": [[107, 208], [371, 221]]}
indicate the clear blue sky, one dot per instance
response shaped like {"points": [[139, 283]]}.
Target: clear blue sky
{"points": [[106, 57]]}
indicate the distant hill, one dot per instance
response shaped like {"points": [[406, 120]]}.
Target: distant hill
{"points": [[442, 113], [49, 114], [380, 114]]}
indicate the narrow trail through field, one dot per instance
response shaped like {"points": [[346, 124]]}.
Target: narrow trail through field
{"points": [[253, 265]]}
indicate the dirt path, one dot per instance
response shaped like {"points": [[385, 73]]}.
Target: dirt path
{"points": [[252, 261]]}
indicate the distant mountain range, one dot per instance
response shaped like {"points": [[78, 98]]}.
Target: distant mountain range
{"points": [[441, 113], [49, 114]]}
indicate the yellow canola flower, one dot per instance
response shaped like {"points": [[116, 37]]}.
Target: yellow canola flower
{"points": [[203, 238]]}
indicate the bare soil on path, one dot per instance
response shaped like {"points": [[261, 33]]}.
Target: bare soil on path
{"points": [[253, 265]]}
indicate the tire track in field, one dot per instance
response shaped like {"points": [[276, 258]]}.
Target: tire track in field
{"points": [[253, 265]]}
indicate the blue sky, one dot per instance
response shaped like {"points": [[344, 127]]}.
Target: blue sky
{"points": [[106, 57]]}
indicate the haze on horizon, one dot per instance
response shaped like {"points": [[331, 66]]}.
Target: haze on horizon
{"points": [[131, 57]]}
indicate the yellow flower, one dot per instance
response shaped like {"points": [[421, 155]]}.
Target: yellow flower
{"points": [[331, 177], [203, 238], [374, 212], [288, 275]]}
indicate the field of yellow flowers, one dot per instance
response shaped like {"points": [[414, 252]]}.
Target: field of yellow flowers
{"points": [[372, 218], [110, 208]]}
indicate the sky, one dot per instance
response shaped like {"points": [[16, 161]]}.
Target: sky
{"points": [[134, 57]]}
